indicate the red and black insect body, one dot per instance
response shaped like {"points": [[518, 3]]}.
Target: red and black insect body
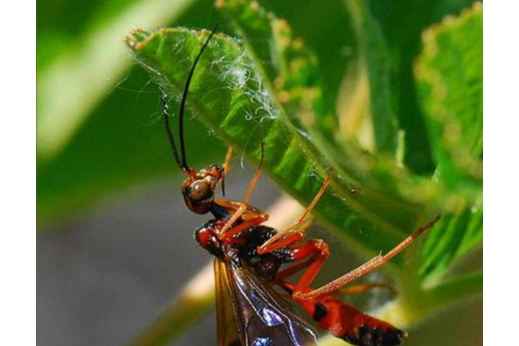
{"points": [[251, 261], [348, 323]]}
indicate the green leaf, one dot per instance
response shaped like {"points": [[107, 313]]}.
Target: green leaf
{"points": [[450, 77], [228, 95], [70, 87], [373, 57], [287, 63], [401, 24], [287, 68], [452, 238]]}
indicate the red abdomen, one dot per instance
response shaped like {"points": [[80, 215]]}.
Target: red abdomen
{"points": [[348, 323]]}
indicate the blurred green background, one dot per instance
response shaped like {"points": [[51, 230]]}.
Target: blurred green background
{"points": [[106, 185]]}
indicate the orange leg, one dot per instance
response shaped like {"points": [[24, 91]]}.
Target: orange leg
{"points": [[363, 288], [282, 238], [231, 232], [227, 163], [315, 249], [288, 272], [252, 184], [286, 239], [226, 168], [360, 271], [242, 207], [317, 252]]}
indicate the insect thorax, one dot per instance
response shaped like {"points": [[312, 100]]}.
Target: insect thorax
{"points": [[243, 248]]}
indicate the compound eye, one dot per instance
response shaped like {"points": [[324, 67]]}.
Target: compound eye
{"points": [[199, 190]]}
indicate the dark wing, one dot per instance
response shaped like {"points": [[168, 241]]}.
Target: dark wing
{"points": [[261, 316], [228, 334]]}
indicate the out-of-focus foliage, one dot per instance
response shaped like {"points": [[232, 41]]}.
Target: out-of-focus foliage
{"points": [[449, 72]]}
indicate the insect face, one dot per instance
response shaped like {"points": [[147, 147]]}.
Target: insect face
{"points": [[198, 189]]}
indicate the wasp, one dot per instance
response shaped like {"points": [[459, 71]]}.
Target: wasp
{"points": [[255, 298]]}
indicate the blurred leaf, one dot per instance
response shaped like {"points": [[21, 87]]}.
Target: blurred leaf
{"points": [[452, 290], [74, 83], [373, 57], [450, 76], [452, 238], [324, 27], [229, 96], [401, 24]]}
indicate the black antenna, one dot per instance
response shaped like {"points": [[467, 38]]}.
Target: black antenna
{"points": [[184, 98], [165, 113], [181, 160], [223, 184]]}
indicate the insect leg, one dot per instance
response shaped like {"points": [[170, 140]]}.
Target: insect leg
{"points": [[244, 206], [227, 163], [245, 225], [364, 288], [315, 252], [365, 268], [252, 184], [277, 242]]}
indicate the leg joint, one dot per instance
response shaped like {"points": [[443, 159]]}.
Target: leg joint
{"points": [[322, 247]]}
